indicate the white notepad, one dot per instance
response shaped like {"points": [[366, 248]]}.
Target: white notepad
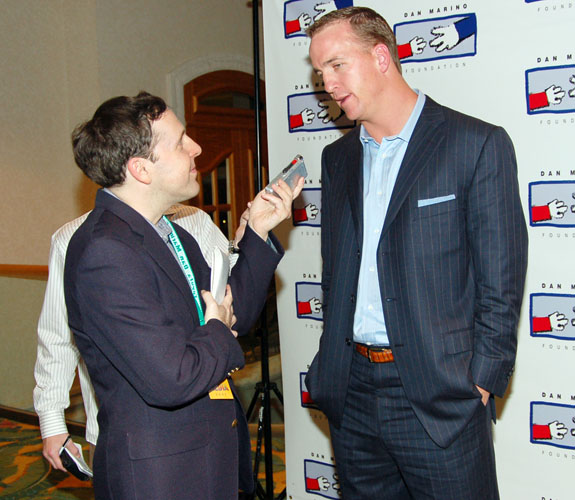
{"points": [[220, 274]]}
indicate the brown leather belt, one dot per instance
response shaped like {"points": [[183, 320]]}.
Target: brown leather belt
{"points": [[375, 354]]}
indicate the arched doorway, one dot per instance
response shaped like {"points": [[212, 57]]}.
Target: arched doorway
{"points": [[219, 114]]}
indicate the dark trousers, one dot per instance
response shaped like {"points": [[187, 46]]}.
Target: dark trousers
{"points": [[382, 452]]}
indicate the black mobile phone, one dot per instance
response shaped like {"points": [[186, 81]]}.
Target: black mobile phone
{"points": [[75, 466]]}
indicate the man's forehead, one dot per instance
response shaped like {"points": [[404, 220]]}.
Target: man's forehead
{"points": [[167, 124], [330, 41]]}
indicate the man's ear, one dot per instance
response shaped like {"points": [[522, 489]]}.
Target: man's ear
{"points": [[138, 168], [383, 56]]}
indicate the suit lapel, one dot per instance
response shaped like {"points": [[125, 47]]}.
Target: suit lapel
{"points": [[353, 167], [425, 140], [152, 244]]}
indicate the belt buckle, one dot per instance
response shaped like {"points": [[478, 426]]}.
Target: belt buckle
{"points": [[369, 351]]}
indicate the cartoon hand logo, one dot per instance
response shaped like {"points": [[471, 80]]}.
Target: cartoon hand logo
{"points": [[558, 430], [572, 81], [558, 321], [307, 116], [299, 24], [336, 485], [554, 322], [304, 20], [414, 47], [311, 211], [330, 111], [323, 483], [417, 45], [312, 306], [553, 430], [315, 305], [555, 209], [446, 37], [555, 94], [303, 118]]}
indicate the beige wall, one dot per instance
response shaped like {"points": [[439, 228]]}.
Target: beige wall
{"points": [[59, 59], [21, 304]]}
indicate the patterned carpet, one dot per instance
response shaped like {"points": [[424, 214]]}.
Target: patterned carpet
{"points": [[24, 474]]}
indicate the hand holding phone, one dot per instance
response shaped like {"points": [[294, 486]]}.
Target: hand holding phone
{"points": [[290, 174], [75, 465]]}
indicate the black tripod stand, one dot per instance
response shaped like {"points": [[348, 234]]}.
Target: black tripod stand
{"points": [[263, 388]]}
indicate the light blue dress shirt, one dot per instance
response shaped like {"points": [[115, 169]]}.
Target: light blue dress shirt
{"points": [[381, 163]]}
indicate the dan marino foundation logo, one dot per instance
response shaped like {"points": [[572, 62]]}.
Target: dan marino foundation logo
{"points": [[309, 300], [301, 14], [307, 208], [553, 424], [552, 315], [305, 397], [437, 38], [321, 479], [552, 203], [550, 90], [314, 112]]}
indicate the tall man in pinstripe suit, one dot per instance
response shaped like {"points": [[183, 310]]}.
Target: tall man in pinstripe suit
{"points": [[424, 251]]}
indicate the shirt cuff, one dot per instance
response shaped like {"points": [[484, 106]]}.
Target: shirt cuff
{"points": [[270, 244], [52, 422]]}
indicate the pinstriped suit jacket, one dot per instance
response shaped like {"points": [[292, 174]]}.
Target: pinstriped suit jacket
{"points": [[451, 261]]}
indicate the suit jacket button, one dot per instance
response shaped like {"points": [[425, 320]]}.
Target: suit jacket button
{"points": [[235, 422], [352, 298], [347, 341]]}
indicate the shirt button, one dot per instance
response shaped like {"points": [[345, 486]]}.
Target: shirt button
{"points": [[371, 268], [370, 307]]}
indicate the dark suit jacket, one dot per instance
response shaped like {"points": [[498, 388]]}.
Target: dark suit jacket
{"points": [[136, 325], [451, 271]]}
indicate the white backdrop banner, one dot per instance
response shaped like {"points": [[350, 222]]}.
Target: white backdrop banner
{"points": [[509, 63]]}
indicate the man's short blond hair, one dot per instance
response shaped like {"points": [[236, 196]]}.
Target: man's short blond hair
{"points": [[370, 27]]}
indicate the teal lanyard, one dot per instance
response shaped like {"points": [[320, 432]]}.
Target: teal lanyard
{"points": [[185, 265]]}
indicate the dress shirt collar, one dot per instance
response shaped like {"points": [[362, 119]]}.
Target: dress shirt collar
{"points": [[162, 227], [408, 128]]}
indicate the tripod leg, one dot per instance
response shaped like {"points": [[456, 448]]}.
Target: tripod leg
{"points": [[257, 392], [277, 392]]}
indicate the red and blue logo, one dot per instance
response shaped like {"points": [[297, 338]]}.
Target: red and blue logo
{"points": [[553, 424], [438, 38], [301, 14], [550, 90], [309, 300], [552, 203], [552, 315]]}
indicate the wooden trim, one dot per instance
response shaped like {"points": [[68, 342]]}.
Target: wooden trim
{"points": [[24, 272]]}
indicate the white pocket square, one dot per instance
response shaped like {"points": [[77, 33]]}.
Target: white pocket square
{"points": [[435, 201]]}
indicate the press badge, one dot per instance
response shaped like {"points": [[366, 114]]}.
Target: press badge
{"points": [[222, 391]]}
